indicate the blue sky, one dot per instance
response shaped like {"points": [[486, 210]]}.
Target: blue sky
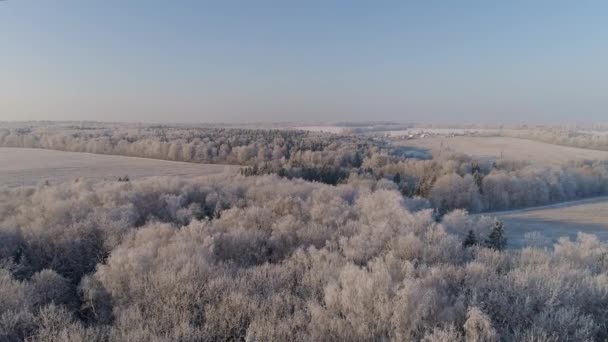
{"points": [[230, 61]]}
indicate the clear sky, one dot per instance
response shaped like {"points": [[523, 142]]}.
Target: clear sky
{"points": [[230, 61]]}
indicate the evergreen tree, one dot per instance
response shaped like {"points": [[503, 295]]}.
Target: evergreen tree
{"points": [[217, 211], [497, 239], [358, 160], [444, 207], [471, 239]]}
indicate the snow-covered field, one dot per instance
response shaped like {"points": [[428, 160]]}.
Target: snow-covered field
{"points": [[401, 132], [325, 129], [553, 221], [443, 131], [24, 166], [507, 148], [601, 133]]}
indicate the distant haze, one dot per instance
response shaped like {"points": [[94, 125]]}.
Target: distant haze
{"points": [[197, 61]]}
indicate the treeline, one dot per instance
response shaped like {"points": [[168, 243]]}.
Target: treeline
{"points": [[270, 259], [449, 180], [452, 181], [200, 145], [325, 174], [463, 183]]}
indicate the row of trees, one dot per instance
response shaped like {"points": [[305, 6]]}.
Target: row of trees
{"points": [[452, 181], [266, 258], [246, 147]]}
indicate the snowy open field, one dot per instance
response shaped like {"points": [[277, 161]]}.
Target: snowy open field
{"points": [[508, 148], [442, 131], [325, 129], [553, 221], [24, 166], [400, 132], [601, 133]]}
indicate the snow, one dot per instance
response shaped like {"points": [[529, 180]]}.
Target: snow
{"points": [[440, 131], [508, 148], [326, 129], [554, 221], [24, 166]]}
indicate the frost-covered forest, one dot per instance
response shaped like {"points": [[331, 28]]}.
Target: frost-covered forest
{"points": [[321, 237], [271, 259], [261, 171], [448, 179]]}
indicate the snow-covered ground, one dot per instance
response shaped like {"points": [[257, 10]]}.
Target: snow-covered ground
{"points": [[507, 148], [602, 133], [325, 129], [441, 131], [544, 225], [24, 166]]}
